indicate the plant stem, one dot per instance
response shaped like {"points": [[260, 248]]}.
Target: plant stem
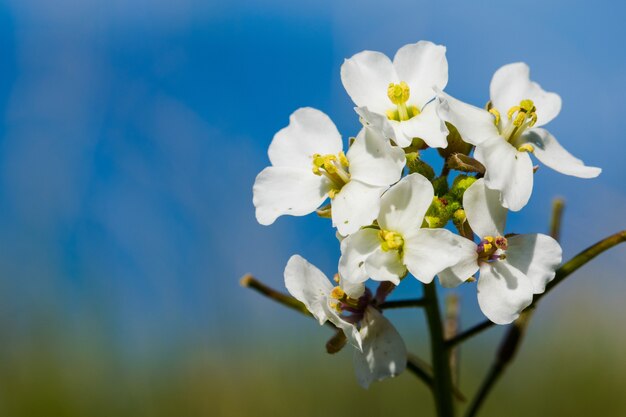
{"points": [[442, 387], [506, 353], [417, 302], [249, 281], [558, 204], [461, 337]]}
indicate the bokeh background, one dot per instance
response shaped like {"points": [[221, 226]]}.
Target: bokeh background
{"points": [[130, 135]]}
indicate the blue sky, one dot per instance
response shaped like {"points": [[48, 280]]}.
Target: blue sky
{"points": [[131, 133]]}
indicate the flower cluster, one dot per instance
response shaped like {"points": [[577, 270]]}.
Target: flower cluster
{"points": [[391, 211]]}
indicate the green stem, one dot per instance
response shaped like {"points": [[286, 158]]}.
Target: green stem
{"points": [[463, 336], [558, 204], [249, 281], [417, 302], [506, 353], [442, 387]]}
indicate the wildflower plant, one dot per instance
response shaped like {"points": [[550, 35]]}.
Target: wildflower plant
{"points": [[395, 218]]}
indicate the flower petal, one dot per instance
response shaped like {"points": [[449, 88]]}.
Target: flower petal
{"points": [[377, 121], [285, 190], [511, 84], [349, 329], [427, 252], [384, 353], [385, 266], [355, 249], [366, 77], [474, 124], [552, 154], [309, 285], [356, 205], [464, 269], [503, 291], [422, 65], [483, 210], [508, 171], [403, 206], [373, 160], [427, 126], [310, 131], [537, 256]]}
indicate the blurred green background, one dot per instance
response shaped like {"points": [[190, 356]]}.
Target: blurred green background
{"points": [[130, 135]]}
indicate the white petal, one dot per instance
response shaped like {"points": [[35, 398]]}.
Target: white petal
{"points": [[464, 269], [285, 190], [422, 65], [483, 210], [384, 353], [373, 160], [356, 205], [508, 171], [377, 121], [353, 289], [474, 124], [403, 206], [366, 77], [385, 266], [309, 285], [503, 291], [310, 131], [400, 137], [349, 329], [428, 127], [511, 84], [427, 252], [537, 256], [354, 251], [552, 154]]}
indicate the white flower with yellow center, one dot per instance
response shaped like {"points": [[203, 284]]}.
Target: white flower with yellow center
{"points": [[308, 165], [512, 267], [509, 130], [380, 351], [401, 90], [398, 243]]}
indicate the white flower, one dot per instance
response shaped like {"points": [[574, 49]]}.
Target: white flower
{"points": [[509, 130], [380, 351], [399, 243], [401, 90], [512, 268], [308, 165]]}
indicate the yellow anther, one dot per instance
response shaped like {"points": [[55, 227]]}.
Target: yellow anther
{"points": [[332, 193], [337, 293], [527, 106], [398, 93], [512, 111], [336, 278], [336, 307], [342, 159], [533, 119], [527, 147], [487, 247], [390, 240], [489, 239], [496, 113]]}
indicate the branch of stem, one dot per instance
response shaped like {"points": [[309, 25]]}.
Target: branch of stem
{"points": [[416, 302]]}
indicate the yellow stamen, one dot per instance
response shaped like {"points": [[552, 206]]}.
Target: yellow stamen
{"points": [[391, 240], [337, 293], [496, 113], [398, 93], [527, 147]]}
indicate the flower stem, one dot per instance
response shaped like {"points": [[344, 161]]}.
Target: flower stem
{"points": [[558, 204], [463, 336], [417, 302], [249, 281], [442, 384], [506, 353]]}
